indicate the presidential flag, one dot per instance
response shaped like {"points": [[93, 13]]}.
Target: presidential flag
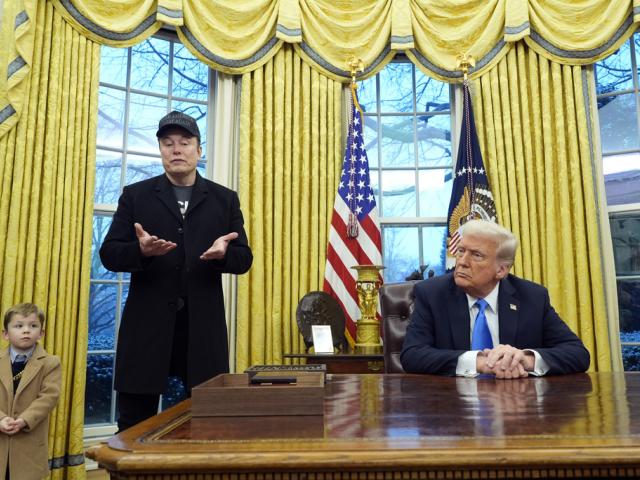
{"points": [[471, 196], [354, 236]]}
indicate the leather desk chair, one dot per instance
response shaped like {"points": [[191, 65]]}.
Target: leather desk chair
{"points": [[396, 304]]}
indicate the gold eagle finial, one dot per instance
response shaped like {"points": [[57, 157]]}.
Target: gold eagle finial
{"points": [[355, 65]]}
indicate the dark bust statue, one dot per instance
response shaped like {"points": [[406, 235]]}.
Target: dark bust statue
{"points": [[320, 308]]}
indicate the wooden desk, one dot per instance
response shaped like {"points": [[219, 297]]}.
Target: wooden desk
{"points": [[344, 362], [403, 426]]}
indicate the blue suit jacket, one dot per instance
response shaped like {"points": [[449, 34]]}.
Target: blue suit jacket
{"points": [[439, 328]]}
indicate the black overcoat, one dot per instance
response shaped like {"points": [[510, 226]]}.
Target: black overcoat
{"points": [[146, 331]]}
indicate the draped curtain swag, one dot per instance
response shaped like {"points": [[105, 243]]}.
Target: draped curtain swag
{"points": [[237, 37]]}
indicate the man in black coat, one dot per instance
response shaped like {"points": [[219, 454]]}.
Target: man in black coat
{"points": [[482, 320], [176, 233]]}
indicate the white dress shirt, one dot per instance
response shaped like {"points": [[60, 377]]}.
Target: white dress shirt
{"points": [[13, 353], [466, 366]]}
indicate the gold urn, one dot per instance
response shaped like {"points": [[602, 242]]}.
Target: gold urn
{"points": [[368, 326]]}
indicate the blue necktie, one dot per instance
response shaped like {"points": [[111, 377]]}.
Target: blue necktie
{"points": [[20, 358], [481, 337]]}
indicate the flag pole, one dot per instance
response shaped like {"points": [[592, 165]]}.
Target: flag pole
{"points": [[355, 65]]}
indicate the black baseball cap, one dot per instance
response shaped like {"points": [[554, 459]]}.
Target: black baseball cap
{"points": [[178, 119]]}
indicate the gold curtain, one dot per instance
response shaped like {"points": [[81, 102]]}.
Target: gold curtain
{"points": [[47, 166], [536, 133], [290, 163]]}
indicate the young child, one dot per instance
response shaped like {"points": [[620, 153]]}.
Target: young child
{"points": [[29, 389]]}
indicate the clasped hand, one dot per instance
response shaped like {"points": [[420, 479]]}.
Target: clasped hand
{"points": [[152, 246], [505, 362], [11, 426]]}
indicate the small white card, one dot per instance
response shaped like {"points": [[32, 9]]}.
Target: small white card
{"points": [[322, 339]]}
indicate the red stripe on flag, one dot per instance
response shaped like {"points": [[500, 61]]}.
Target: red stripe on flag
{"points": [[343, 272], [352, 244], [372, 229]]}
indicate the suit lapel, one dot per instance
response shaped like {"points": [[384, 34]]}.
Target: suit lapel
{"points": [[508, 312], [6, 376], [164, 192], [198, 194], [459, 314]]}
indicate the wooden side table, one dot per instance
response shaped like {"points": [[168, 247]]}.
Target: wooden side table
{"points": [[343, 362]]}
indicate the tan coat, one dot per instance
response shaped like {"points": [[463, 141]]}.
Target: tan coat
{"points": [[35, 398]]}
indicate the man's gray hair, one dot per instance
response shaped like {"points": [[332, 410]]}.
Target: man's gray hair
{"points": [[506, 242]]}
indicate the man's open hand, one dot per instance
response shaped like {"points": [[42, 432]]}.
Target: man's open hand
{"points": [[150, 245], [218, 250]]}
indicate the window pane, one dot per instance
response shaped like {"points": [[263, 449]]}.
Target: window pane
{"points": [[113, 65], [435, 192], [625, 233], [145, 112], [431, 94], [190, 75], [622, 178], [97, 406], [125, 291], [614, 72], [399, 193], [111, 107], [150, 65], [371, 140], [631, 358], [367, 94], [142, 167], [108, 169], [618, 122], [101, 224], [433, 248], [102, 316], [434, 140], [629, 310], [401, 252], [398, 142], [396, 88]]}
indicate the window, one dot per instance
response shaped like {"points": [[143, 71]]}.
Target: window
{"points": [[138, 85], [619, 113], [625, 232], [407, 133]]}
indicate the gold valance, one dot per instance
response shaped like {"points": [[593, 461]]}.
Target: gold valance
{"points": [[238, 36]]}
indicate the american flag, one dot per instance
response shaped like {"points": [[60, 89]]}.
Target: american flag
{"points": [[471, 196], [354, 236]]}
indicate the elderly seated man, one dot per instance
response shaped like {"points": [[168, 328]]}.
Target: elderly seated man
{"points": [[482, 320]]}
